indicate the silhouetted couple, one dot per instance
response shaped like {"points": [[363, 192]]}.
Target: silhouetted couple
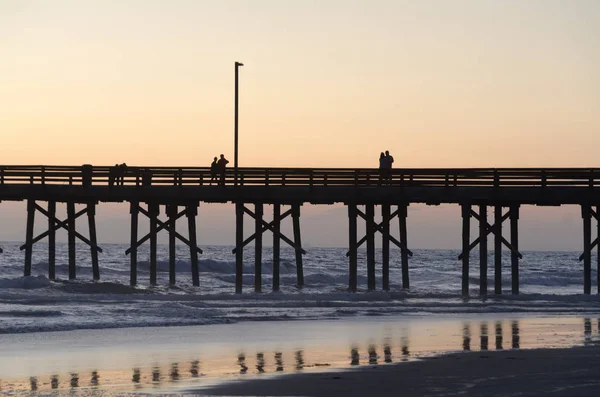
{"points": [[116, 174], [385, 167], [218, 167]]}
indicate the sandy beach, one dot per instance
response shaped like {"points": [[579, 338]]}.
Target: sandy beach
{"points": [[537, 372]]}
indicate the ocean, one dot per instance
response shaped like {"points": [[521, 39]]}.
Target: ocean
{"points": [[551, 283], [109, 337]]}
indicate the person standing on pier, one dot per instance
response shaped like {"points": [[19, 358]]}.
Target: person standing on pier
{"points": [[213, 171], [389, 160], [222, 163], [382, 168]]}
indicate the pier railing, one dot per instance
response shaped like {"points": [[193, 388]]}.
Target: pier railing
{"points": [[310, 177]]}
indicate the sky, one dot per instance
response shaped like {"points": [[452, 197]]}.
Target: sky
{"points": [[464, 83]]}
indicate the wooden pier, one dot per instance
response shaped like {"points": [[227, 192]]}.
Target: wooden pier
{"points": [[179, 191]]}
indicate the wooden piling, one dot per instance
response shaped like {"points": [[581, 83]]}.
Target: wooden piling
{"points": [[370, 229], [352, 236], [29, 236], [385, 247], [172, 214], [402, 215], [514, 241], [153, 211], [91, 213], [134, 211], [483, 259], [298, 243], [498, 250], [192, 211], [598, 248], [51, 241], [258, 212], [71, 239], [239, 246], [276, 244], [587, 251], [466, 236]]}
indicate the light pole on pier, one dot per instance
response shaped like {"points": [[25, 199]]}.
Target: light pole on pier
{"points": [[235, 125]]}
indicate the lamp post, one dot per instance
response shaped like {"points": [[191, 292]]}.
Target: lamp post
{"points": [[235, 125]]}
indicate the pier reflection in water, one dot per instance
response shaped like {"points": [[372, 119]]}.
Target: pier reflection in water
{"points": [[406, 345]]}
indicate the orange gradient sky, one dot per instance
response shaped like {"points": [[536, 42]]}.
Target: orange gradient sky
{"points": [[463, 83], [325, 83]]}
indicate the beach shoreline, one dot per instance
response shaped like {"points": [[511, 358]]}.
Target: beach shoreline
{"points": [[527, 372]]}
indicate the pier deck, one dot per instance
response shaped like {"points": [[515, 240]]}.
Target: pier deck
{"points": [[187, 187]]}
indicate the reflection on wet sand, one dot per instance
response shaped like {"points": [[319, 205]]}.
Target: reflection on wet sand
{"points": [[152, 376], [372, 355], [484, 336], [33, 383], [354, 356], [299, 360], [260, 362], [74, 380], [95, 379], [195, 368], [498, 335], [387, 352], [241, 360], [466, 337], [516, 339], [278, 361]]}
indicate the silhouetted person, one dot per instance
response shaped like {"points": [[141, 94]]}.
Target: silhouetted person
{"points": [[214, 170], [221, 164], [389, 160], [122, 172], [382, 168]]}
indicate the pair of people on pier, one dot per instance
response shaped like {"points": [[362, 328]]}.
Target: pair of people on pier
{"points": [[116, 174], [217, 167], [385, 167]]}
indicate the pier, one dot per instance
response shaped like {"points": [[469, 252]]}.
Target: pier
{"points": [[178, 192]]}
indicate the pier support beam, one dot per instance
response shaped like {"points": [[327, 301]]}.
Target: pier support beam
{"points": [[239, 247], [153, 211], [262, 226], [385, 247], [404, 251], [298, 245], [172, 214], [498, 250], [276, 244], [71, 239], [191, 212], [483, 259], [258, 211], [514, 241], [466, 236], [91, 213], [587, 250], [51, 240], [598, 248], [133, 210], [370, 229], [29, 236], [352, 245]]}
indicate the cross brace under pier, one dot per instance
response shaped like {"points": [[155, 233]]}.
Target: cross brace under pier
{"points": [[260, 227], [484, 230], [371, 228], [156, 225], [587, 213], [55, 224]]}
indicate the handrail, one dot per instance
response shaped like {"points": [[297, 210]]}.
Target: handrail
{"points": [[45, 175]]}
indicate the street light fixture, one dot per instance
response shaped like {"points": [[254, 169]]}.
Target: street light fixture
{"points": [[235, 125]]}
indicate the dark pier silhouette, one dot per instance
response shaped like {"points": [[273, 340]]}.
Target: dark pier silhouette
{"points": [[179, 191]]}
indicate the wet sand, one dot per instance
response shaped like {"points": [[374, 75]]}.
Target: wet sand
{"points": [[570, 372]]}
